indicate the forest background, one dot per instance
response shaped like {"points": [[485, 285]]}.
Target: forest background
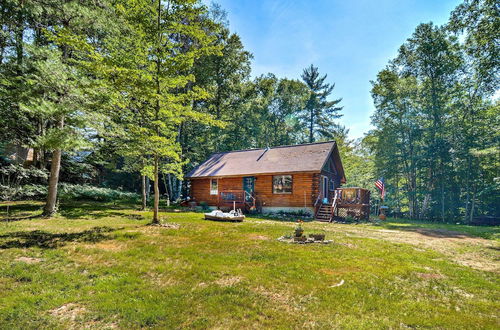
{"points": [[116, 97]]}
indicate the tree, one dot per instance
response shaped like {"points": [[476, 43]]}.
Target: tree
{"points": [[319, 112], [435, 133], [149, 74], [55, 94]]}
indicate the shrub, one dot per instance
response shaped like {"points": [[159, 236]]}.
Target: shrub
{"points": [[204, 206], [31, 191], [87, 192], [17, 182]]}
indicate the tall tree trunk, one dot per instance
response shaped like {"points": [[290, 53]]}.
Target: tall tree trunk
{"points": [[164, 177], [143, 190], [311, 127], [473, 204], [425, 205], [442, 201], [55, 167], [170, 186], [156, 219], [179, 189], [148, 188]]}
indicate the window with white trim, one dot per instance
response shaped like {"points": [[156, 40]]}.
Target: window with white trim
{"points": [[214, 187]]}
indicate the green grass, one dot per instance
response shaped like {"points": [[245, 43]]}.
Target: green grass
{"points": [[98, 266]]}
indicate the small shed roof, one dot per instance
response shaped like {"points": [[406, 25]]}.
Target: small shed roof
{"points": [[284, 159]]}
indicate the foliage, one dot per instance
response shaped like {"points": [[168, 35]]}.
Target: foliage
{"points": [[434, 113], [319, 112], [13, 180], [152, 88], [92, 193]]}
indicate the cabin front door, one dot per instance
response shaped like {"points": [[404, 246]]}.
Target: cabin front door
{"points": [[249, 187], [324, 189]]}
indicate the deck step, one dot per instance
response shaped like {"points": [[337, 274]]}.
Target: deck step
{"points": [[324, 213]]}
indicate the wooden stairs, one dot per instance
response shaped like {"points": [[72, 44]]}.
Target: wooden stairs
{"points": [[324, 213]]}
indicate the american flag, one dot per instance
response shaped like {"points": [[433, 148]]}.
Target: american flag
{"points": [[381, 186]]}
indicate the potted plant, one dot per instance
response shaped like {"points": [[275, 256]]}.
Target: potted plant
{"points": [[299, 230]]}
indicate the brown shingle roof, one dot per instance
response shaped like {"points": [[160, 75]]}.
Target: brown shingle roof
{"points": [[299, 158]]}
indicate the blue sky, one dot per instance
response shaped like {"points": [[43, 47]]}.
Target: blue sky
{"points": [[350, 40]]}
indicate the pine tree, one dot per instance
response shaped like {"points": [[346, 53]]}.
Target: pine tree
{"points": [[319, 112]]}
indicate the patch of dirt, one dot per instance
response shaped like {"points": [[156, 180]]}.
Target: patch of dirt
{"points": [[349, 245], [72, 313], [228, 281], [29, 260], [258, 237], [68, 312], [430, 276]]}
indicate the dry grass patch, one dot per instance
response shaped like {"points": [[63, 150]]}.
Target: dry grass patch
{"points": [[29, 260], [281, 299], [111, 245], [68, 312], [258, 237], [160, 280], [474, 252], [228, 281], [430, 276]]}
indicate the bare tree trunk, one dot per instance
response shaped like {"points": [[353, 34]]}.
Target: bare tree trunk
{"points": [[442, 201], [425, 205], [311, 128], [473, 204], [170, 187], [55, 167], [164, 177], [156, 219], [143, 190], [179, 189], [148, 188]]}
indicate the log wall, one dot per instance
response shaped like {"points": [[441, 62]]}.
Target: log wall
{"points": [[304, 190]]}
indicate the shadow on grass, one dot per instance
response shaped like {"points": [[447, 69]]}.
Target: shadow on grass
{"points": [[96, 210], [19, 211], [47, 240], [20, 217]]}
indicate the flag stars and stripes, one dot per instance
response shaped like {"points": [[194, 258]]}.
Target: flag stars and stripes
{"points": [[380, 186]]}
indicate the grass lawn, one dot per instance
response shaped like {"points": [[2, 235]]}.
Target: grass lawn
{"points": [[98, 266]]}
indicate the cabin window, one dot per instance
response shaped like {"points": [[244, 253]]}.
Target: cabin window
{"points": [[214, 187], [282, 184], [332, 185]]}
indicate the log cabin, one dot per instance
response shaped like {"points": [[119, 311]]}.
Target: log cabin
{"points": [[285, 178]]}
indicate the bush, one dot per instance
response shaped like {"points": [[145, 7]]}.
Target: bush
{"points": [[204, 206], [299, 213], [31, 191], [86, 192], [66, 192], [18, 182]]}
